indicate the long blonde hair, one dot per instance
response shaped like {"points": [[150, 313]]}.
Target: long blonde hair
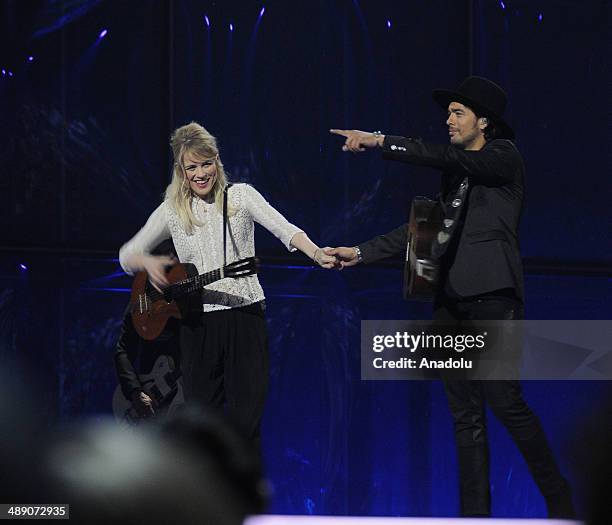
{"points": [[195, 139]]}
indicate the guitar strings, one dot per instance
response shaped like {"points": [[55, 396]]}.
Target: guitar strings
{"points": [[238, 269]]}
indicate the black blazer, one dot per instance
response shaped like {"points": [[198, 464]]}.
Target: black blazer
{"points": [[482, 199]]}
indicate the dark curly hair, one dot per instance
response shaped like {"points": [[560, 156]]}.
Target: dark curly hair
{"points": [[492, 131]]}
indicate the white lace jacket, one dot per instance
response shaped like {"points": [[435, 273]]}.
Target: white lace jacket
{"points": [[204, 247]]}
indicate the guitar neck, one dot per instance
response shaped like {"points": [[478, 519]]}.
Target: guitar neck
{"points": [[237, 269], [198, 282], [187, 286]]}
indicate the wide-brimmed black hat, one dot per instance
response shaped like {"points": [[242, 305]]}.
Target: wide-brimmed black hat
{"points": [[484, 97]]}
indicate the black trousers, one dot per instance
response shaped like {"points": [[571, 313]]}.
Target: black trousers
{"points": [[466, 400], [225, 361]]}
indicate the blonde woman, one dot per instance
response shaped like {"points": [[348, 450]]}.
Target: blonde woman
{"points": [[224, 350]]}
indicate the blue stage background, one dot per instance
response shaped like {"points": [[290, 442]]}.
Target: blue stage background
{"points": [[85, 127]]}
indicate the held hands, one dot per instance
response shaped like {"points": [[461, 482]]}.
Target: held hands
{"points": [[301, 241], [345, 256], [324, 260], [357, 141]]}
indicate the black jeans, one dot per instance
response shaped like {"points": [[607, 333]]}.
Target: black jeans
{"points": [[466, 400], [224, 360]]}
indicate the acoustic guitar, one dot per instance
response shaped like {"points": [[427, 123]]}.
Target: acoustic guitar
{"points": [[151, 309], [421, 269]]}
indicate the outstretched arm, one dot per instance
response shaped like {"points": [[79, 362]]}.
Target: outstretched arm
{"points": [[305, 245], [496, 164], [386, 245], [380, 247], [290, 235]]}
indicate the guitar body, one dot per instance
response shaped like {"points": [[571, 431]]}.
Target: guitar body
{"points": [[162, 384], [150, 314], [151, 309], [421, 270]]}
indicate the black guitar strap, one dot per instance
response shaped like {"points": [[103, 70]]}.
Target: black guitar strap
{"points": [[227, 187]]}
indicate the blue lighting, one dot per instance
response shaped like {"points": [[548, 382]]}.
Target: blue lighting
{"points": [[502, 4], [103, 33], [231, 26], [389, 24], [10, 73], [207, 21], [30, 58], [540, 17], [4, 72], [23, 266], [295, 296], [263, 10]]}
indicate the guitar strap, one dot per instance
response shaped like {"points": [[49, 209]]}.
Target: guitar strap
{"points": [[227, 187]]}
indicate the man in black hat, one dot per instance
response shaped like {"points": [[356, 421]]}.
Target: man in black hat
{"points": [[480, 276]]}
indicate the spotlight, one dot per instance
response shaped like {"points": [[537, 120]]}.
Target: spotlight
{"points": [[23, 266], [503, 6], [30, 58], [231, 26], [263, 10], [4, 72], [540, 17], [10, 73], [389, 24], [103, 33], [207, 21]]}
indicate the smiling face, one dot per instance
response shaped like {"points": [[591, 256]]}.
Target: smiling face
{"points": [[201, 173], [464, 128]]}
